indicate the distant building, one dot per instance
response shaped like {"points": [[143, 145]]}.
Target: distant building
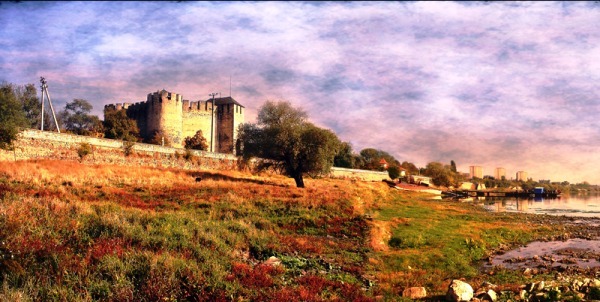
{"points": [[499, 173], [475, 172], [522, 175], [471, 186], [467, 186], [383, 164]]}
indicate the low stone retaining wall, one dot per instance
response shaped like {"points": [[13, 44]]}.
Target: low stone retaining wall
{"points": [[356, 174], [35, 144]]}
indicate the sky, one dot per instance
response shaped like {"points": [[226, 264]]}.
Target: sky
{"points": [[492, 84]]}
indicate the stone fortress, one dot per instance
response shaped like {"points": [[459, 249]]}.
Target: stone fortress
{"points": [[173, 117]]}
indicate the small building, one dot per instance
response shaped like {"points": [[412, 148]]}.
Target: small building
{"points": [[383, 164], [466, 185]]}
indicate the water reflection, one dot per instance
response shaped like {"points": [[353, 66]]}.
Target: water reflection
{"points": [[579, 205]]}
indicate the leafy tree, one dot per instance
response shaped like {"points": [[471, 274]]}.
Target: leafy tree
{"points": [[77, 119], [293, 145], [440, 175], [118, 126], [394, 172], [12, 117], [358, 160], [319, 147], [196, 142], [371, 158], [410, 167], [490, 183], [528, 185], [453, 166], [345, 158], [31, 104]]}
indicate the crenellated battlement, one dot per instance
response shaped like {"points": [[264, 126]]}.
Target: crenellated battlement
{"points": [[168, 113], [118, 106], [110, 107], [199, 106]]}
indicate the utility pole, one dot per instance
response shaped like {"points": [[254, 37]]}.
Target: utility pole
{"points": [[212, 119], [45, 90]]}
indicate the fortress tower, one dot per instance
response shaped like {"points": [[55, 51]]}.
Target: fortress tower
{"points": [[168, 113], [164, 113], [229, 116]]}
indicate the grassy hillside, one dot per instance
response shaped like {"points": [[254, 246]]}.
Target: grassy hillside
{"points": [[72, 232]]}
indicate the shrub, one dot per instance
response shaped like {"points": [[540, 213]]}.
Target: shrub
{"points": [[394, 172], [188, 155], [197, 142], [84, 150], [395, 242], [100, 289], [128, 147], [160, 138]]}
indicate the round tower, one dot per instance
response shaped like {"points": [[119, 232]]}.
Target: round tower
{"points": [[165, 111]]}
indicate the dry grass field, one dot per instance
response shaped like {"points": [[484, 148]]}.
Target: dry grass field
{"points": [[74, 232]]}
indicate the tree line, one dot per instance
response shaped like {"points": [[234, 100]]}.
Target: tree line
{"points": [[446, 175]]}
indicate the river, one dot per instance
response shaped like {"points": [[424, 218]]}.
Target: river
{"points": [[563, 254], [573, 205]]}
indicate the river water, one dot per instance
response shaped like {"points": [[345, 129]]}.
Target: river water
{"points": [[574, 205], [575, 252]]}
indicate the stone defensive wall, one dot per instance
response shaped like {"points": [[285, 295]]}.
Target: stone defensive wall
{"points": [[355, 174], [36, 144]]}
